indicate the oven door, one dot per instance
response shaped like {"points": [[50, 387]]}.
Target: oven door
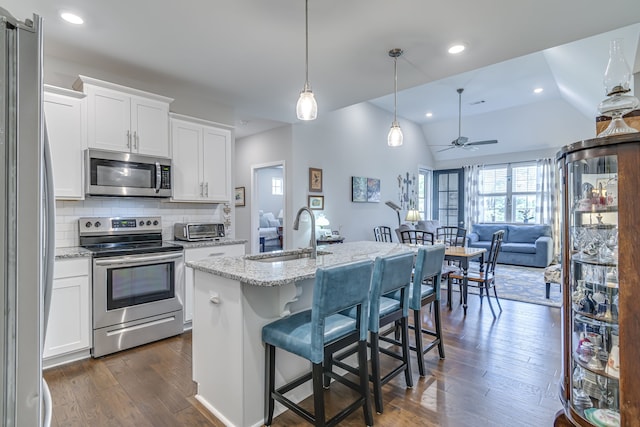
{"points": [[133, 287]]}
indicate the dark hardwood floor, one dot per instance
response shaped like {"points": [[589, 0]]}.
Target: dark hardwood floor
{"points": [[496, 373]]}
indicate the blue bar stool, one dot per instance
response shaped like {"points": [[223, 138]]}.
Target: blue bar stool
{"points": [[313, 333], [425, 290]]}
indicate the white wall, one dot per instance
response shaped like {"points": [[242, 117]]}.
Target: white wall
{"points": [[271, 146], [353, 142]]}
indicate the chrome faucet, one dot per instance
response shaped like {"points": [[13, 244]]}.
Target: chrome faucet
{"points": [[312, 242]]}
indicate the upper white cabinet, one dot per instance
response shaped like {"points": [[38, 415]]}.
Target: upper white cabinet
{"points": [[124, 119], [201, 154], [65, 117]]}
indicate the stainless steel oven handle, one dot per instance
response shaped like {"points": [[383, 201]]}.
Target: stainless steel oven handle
{"points": [[129, 259]]}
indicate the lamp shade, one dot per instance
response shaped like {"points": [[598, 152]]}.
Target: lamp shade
{"points": [[395, 137], [307, 107], [322, 221], [413, 215]]}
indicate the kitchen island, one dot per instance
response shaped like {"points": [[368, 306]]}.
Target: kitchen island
{"points": [[234, 298]]}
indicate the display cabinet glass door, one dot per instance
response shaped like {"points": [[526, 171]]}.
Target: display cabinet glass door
{"points": [[593, 278]]}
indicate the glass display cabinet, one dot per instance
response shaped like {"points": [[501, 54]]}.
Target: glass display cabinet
{"points": [[600, 186]]}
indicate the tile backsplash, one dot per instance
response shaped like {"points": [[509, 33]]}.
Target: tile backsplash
{"points": [[68, 212]]}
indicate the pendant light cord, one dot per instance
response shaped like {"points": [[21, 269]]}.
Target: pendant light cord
{"points": [[306, 37], [395, 88]]}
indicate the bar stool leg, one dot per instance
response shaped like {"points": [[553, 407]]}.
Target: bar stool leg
{"points": [[417, 328], [364, 382], [436, 318], [269, 384], [406, 357], [375, 370], [318, 394]]}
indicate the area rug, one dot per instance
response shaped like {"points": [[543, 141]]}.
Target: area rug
{"points": [[520, 284]]}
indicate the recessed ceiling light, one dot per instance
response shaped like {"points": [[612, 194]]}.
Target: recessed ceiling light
{"points": [[538, 90], [71, 18], [429, 114], [456, 48]]}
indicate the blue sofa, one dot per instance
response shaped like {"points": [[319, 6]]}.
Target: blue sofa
{"points": [[523, 244]]}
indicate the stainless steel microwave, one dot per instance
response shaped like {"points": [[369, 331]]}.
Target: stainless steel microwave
{"points": [[110, 173]]}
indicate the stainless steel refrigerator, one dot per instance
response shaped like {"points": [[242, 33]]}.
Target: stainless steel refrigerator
{"points": [[26, 224]]}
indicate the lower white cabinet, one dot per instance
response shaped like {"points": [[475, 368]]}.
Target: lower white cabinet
{"points": [[69, 327], [195, 254]]}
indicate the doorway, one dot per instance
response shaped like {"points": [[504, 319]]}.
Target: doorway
{"points": [[268, 207], [448, 200]]}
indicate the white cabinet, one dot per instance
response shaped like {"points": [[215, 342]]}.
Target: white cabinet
{"points": [[201, 156], [65, 117], [195, 254], [69, 326], [124, 119]]}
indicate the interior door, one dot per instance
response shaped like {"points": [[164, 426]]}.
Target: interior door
{"points": [[448, 197]]}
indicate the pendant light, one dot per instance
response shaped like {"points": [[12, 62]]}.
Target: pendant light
{"points": [[307, 107], [395, 137]]}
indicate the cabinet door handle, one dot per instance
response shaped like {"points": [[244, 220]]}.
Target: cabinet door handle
{"points": [[129, 139], [206, 188], [136, 140], [202, 189]]}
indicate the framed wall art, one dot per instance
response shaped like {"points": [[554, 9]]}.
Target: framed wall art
{"points": [[239, 196], [365, 189], [316, 202], [315, 180]]}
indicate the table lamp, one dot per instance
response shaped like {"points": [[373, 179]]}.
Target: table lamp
{"points": [[413, 216], [323, 222]]}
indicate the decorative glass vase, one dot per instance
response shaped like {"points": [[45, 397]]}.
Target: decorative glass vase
{"points": [[619, 102]]}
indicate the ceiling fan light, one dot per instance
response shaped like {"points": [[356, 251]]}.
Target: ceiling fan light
{"points": [[307, 107], [395, 137]]}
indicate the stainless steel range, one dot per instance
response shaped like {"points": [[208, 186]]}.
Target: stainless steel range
{"points": [[137, 282]]}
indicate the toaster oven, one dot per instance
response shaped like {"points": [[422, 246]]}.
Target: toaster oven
{"points": [[193, 231]]}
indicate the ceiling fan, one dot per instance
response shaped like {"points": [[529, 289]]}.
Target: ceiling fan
{"points": [[463, 141]]}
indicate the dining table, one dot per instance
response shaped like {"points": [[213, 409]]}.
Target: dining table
{"points": [[463, 255]]}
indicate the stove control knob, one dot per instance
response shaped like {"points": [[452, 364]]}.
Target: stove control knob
{"points": [[88, 224], [155, 222], [148, 222], [97, 224], [141, 223]]}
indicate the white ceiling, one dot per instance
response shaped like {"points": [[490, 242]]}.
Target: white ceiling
{"points": [[249, 54]]}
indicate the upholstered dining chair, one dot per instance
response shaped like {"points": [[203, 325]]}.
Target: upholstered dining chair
{"points": [[486, 279], [451, 235], [323, 330], [391, 274], [382, 234]]}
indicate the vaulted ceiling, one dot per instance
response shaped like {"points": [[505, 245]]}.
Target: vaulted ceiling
{"points": [[249, 54]]}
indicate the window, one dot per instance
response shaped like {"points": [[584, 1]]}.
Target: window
{"points": [[424, 192], [508, 193], [276, 186]]}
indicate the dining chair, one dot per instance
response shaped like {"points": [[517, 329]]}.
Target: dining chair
{"points": [[311, 334], [417, 237], [484, 278], [452, 235], [382, 234], [391, 274]]}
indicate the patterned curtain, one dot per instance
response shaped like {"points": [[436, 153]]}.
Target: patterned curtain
{"points": [[547, 199], [472, 203]]}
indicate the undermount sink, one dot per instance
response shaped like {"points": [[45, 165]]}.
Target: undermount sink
{"points": [[283, 256]]}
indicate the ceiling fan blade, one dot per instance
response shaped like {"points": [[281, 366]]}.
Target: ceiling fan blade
{"points": [[489, 141], [448, 148]]}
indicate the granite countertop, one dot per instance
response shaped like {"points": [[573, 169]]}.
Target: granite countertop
{"points": [[250, 270], [208, 243], [72, 252]]}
